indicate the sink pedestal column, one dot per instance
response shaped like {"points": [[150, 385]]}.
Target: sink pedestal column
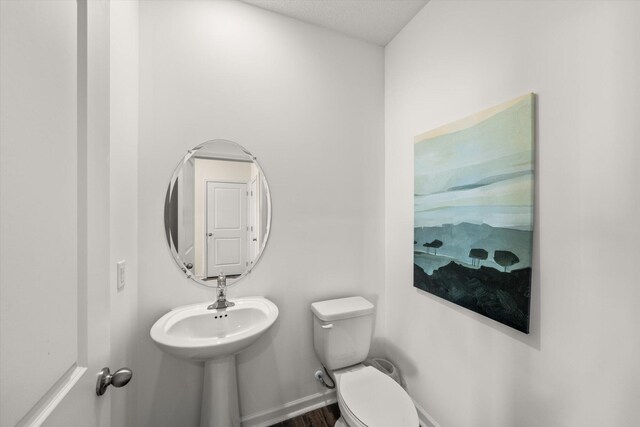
{"points": [[220, 394]]}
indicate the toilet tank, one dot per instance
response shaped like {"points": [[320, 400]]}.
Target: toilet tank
{"points": [[342, 330]]}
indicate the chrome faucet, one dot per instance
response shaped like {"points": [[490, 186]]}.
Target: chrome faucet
{"points": [[221, 292]]}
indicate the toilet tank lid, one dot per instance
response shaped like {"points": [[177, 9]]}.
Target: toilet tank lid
{"points": [[342, 308]]}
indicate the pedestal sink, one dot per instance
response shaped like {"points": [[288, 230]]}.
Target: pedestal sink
{"points": [[214, 337]]}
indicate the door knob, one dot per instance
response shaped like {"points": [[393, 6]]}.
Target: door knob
{"points": [[210, 234], [118, 379]]}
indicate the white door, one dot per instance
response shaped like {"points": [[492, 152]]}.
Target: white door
{"points": [[226, 228], [54, 250]]}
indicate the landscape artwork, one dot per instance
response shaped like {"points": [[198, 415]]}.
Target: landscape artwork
{"points": [[473, 212]]}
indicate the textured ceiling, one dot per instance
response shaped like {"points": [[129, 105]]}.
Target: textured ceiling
{"points": [[376, 21]]}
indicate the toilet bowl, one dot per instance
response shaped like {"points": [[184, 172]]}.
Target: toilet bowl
{"points": [[369, 398], [342, 330]]}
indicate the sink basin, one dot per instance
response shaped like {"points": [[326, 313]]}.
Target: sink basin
{"points": [[195, 333]]}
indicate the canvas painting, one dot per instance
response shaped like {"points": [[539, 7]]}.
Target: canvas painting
{"points": [[473, 211]]}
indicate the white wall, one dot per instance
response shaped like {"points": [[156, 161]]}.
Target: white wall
{"points": [[579, 365], [123, 163], [308, 103]]}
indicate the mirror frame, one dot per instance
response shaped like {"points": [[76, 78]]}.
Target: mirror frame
{"points": [[174, 254]]}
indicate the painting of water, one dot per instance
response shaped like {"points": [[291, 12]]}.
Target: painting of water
{"points": [[473, 211]]}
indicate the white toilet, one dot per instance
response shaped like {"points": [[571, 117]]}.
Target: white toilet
{"points": [[342, 330]]}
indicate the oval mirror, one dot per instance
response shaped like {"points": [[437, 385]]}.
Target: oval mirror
{"points": [[217, 212]]}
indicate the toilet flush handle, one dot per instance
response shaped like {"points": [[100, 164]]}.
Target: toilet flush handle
{"points": [[327, 326]]}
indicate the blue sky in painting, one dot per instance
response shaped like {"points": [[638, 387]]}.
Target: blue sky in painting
{"points": [[481, 174]]}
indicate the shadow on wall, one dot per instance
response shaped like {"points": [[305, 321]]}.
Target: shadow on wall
{"points": [[377, 341], [532, 339], [172, 390], [263, 351]]}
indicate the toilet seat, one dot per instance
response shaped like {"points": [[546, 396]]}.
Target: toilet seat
{"points": [[369, 398]]}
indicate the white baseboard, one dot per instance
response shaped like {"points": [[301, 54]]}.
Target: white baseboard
{"points": [[290, 410], [425, 419]]}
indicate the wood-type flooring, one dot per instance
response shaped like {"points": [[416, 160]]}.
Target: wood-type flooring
{"points": [[323, 417]]}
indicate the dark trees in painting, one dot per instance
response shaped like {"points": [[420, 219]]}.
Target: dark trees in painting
{"points": [[505, 259], [498, 295], [476, 255], [435, 245]]}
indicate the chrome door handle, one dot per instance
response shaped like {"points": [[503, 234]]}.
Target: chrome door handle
{"points": [[119, 378]]}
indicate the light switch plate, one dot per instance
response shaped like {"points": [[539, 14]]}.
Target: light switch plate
{"points": [[121, 276]]}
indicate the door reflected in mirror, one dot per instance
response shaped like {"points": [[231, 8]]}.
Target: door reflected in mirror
{"points": [[217, 212]]}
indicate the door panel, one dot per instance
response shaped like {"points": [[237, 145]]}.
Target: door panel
{"points": [[54, 225], [39, 252], [227, 251], [226, 228]]}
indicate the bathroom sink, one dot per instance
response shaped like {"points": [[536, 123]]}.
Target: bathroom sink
{"points": [[193, 332]]}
